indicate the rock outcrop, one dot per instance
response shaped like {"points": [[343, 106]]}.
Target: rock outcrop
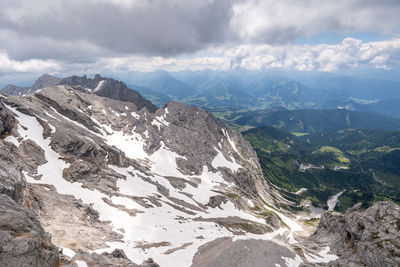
{"points": [[43, 81], [6, 121], [109, 88], [23, 242], [101, 86], [359, 237]]}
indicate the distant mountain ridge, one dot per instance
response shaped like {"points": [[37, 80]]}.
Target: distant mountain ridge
{"points": [[312, 120], [99, 85], [210, 89], [255, 90], [43, 81]]}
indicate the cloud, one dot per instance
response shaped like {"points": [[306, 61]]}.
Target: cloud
{"points": [[349, 54], [156, 27], [8, 65], [88, 36], [88, 29], [272, 22]]}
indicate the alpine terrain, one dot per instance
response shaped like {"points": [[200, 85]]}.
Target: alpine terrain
{"points": [[92, 174]]}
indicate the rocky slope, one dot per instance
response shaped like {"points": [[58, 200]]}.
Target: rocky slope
{"points": [[101, 86], [116, 183], [109, 175], [43, 81], [362, 237]]}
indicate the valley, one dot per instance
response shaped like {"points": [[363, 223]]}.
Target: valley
{"points": [[341, 160]]}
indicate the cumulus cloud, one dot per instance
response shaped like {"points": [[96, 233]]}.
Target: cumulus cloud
{"points": [[156, 27], [52, 28], [122, 35], [8, 65], [283, 21], [350, 53]]}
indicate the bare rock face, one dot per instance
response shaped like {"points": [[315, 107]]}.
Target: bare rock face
{"points": [[116, 258], [110, 88], [23, 241], [43, 81], [363, 237], [12, 183], [6, 121]]}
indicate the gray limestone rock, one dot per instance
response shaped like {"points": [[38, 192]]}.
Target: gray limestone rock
{"points": [[6, 121], [363, 237], [11, 180], [43, 81], [110, 88], [23, 241], [116, 258]]}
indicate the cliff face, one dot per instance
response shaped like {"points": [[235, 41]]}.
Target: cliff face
{"points": [[23, 242], [363, 237]]}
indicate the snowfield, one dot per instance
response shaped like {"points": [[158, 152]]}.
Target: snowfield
{"points": [[172, 231]]}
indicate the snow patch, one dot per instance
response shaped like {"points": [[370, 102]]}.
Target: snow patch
{"points": [[13, 140], [135, 115], [221, 161], [68, 252], [81, 263], [292, 224], [99, 85], [333, 200], [296, 261], [230, 141], [322, 256]]}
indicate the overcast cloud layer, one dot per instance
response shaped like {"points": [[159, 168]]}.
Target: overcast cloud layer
{"points": [[81, 35]]}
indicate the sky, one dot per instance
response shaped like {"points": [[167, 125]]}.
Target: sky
{"points": [[118, 36]]}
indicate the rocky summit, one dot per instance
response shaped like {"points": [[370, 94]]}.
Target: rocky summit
{"points": [[92, 174]]}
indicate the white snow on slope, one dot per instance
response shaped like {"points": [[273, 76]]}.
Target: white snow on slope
{"points": [[135, 115], [160, 120], [98, 87], [221, 161], [81, 263], [156, 224], [333, 200], [230, 141], [322, 256], [292, 224], [68, 252], [131, 144], [13, 140]]}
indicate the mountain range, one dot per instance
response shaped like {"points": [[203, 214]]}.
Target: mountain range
{"points": [[241, 90], [312, 120], [94, 174]]}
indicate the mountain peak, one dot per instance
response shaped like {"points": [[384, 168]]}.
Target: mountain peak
{"points": [[44, 81], [110, 88]]}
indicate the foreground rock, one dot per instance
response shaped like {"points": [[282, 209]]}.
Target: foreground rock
{"points": [[243, 253], [362, 237], [6, 121], [23, 242]]}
